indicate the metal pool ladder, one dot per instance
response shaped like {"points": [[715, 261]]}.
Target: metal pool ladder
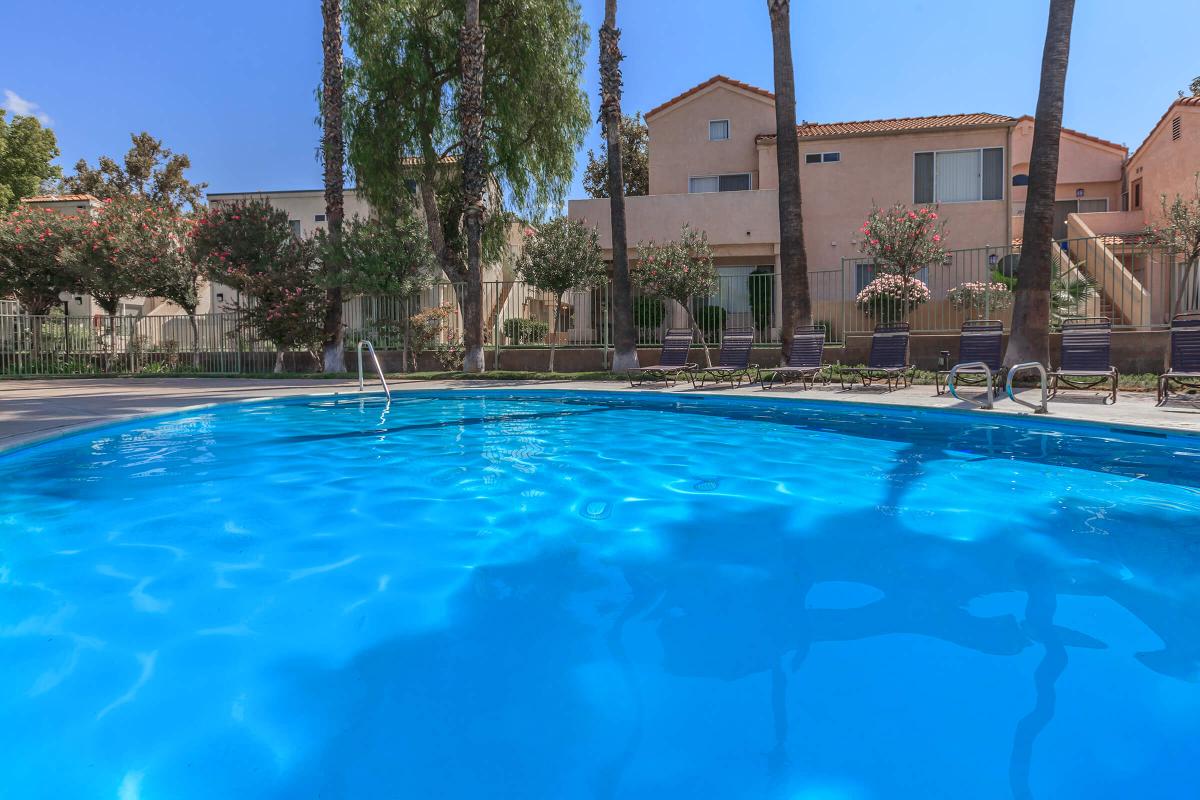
{"points": [[378, 369], [974, 365], [1038, 408]]}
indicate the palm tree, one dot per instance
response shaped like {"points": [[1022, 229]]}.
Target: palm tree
{"points": [[624, 341], [1030, 340], [474, 175], [333, 152], [793, 261]]}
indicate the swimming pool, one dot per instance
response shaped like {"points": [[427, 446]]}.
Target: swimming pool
{"points": [[557, 595]]}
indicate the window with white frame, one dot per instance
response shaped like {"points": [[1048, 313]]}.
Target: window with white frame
{"points": [[718, 130], [958, 176], [736, 182], [822, 158]]}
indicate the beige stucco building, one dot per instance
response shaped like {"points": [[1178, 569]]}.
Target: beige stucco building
{"points": [[713, 165]]}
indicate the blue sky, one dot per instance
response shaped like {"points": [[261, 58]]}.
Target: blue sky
{"points": [[232, 83]]}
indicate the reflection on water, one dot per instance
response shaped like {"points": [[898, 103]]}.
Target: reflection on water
{"points": [[584, 596]]}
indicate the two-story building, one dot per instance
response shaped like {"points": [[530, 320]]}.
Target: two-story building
{"points": [[713, 165]]}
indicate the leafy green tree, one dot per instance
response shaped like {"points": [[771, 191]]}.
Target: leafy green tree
{"points": [[176, 274], [562, 255], [1179, 233], [249, 246], [383, 257], [26, 150], [678, 270], [148, 172], [34, 267], [635, 161], [403, 95]]}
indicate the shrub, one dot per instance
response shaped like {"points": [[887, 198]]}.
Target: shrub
{"points": [[520, 330], [711, 320], [890, 297], [648, 312], [980, 298]]}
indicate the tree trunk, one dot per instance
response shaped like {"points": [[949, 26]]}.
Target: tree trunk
{"points": [[333, 150], [470, 110], [195, 339], [278, 361], [687, 309], [1030, 339], [793, 260], [624, 336], [557, 324]]}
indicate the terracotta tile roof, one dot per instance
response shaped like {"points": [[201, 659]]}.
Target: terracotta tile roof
{"points": [[700, 87], [816, 130], [1082, 135], [1193, 102], [61, 198]]}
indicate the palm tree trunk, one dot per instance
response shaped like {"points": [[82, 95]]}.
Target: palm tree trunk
{"points": [[470, 110], [624, 337], [1030, 339], [793, 260], [333, 151]]}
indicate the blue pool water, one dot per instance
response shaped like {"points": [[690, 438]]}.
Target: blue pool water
{"points": [[552, 595]]}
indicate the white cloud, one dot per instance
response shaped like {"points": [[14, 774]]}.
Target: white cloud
{"points": [[21, 107]]}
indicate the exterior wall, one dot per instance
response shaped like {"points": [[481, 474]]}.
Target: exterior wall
{"points": [[1083, 164], [679, 147], [303, 206], [878, 171], [1168, 167]]}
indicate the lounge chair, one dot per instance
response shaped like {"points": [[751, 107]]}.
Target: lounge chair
{"points": [[803, 361], [672, 360], [1084, 361], [733, 364], [1184, 369], [888, 361], [981, 340]]}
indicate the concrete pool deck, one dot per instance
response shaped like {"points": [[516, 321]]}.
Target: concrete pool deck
{"points": [[33, 409]]}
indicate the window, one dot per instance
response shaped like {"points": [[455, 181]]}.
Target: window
{"points": [[1137, 194], [294, 224], [865, 273], [737, 182], [958, 176], [1176, 129], [1020, 180], [822, 158], [319, 218], [718, 130]]}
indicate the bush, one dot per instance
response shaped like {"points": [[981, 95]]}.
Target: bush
{"points": [[711, 320], [648, 312], [520, 330]]}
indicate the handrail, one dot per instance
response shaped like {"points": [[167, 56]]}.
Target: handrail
{"points": [[975, 365], [1040, 408], [378, 369]]}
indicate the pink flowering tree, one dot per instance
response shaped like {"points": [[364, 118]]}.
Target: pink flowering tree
{"points": [[980, 298], [1179, 233], [560, 256], [33, 266], [678, 270], [900, 242], [249, 247]]}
